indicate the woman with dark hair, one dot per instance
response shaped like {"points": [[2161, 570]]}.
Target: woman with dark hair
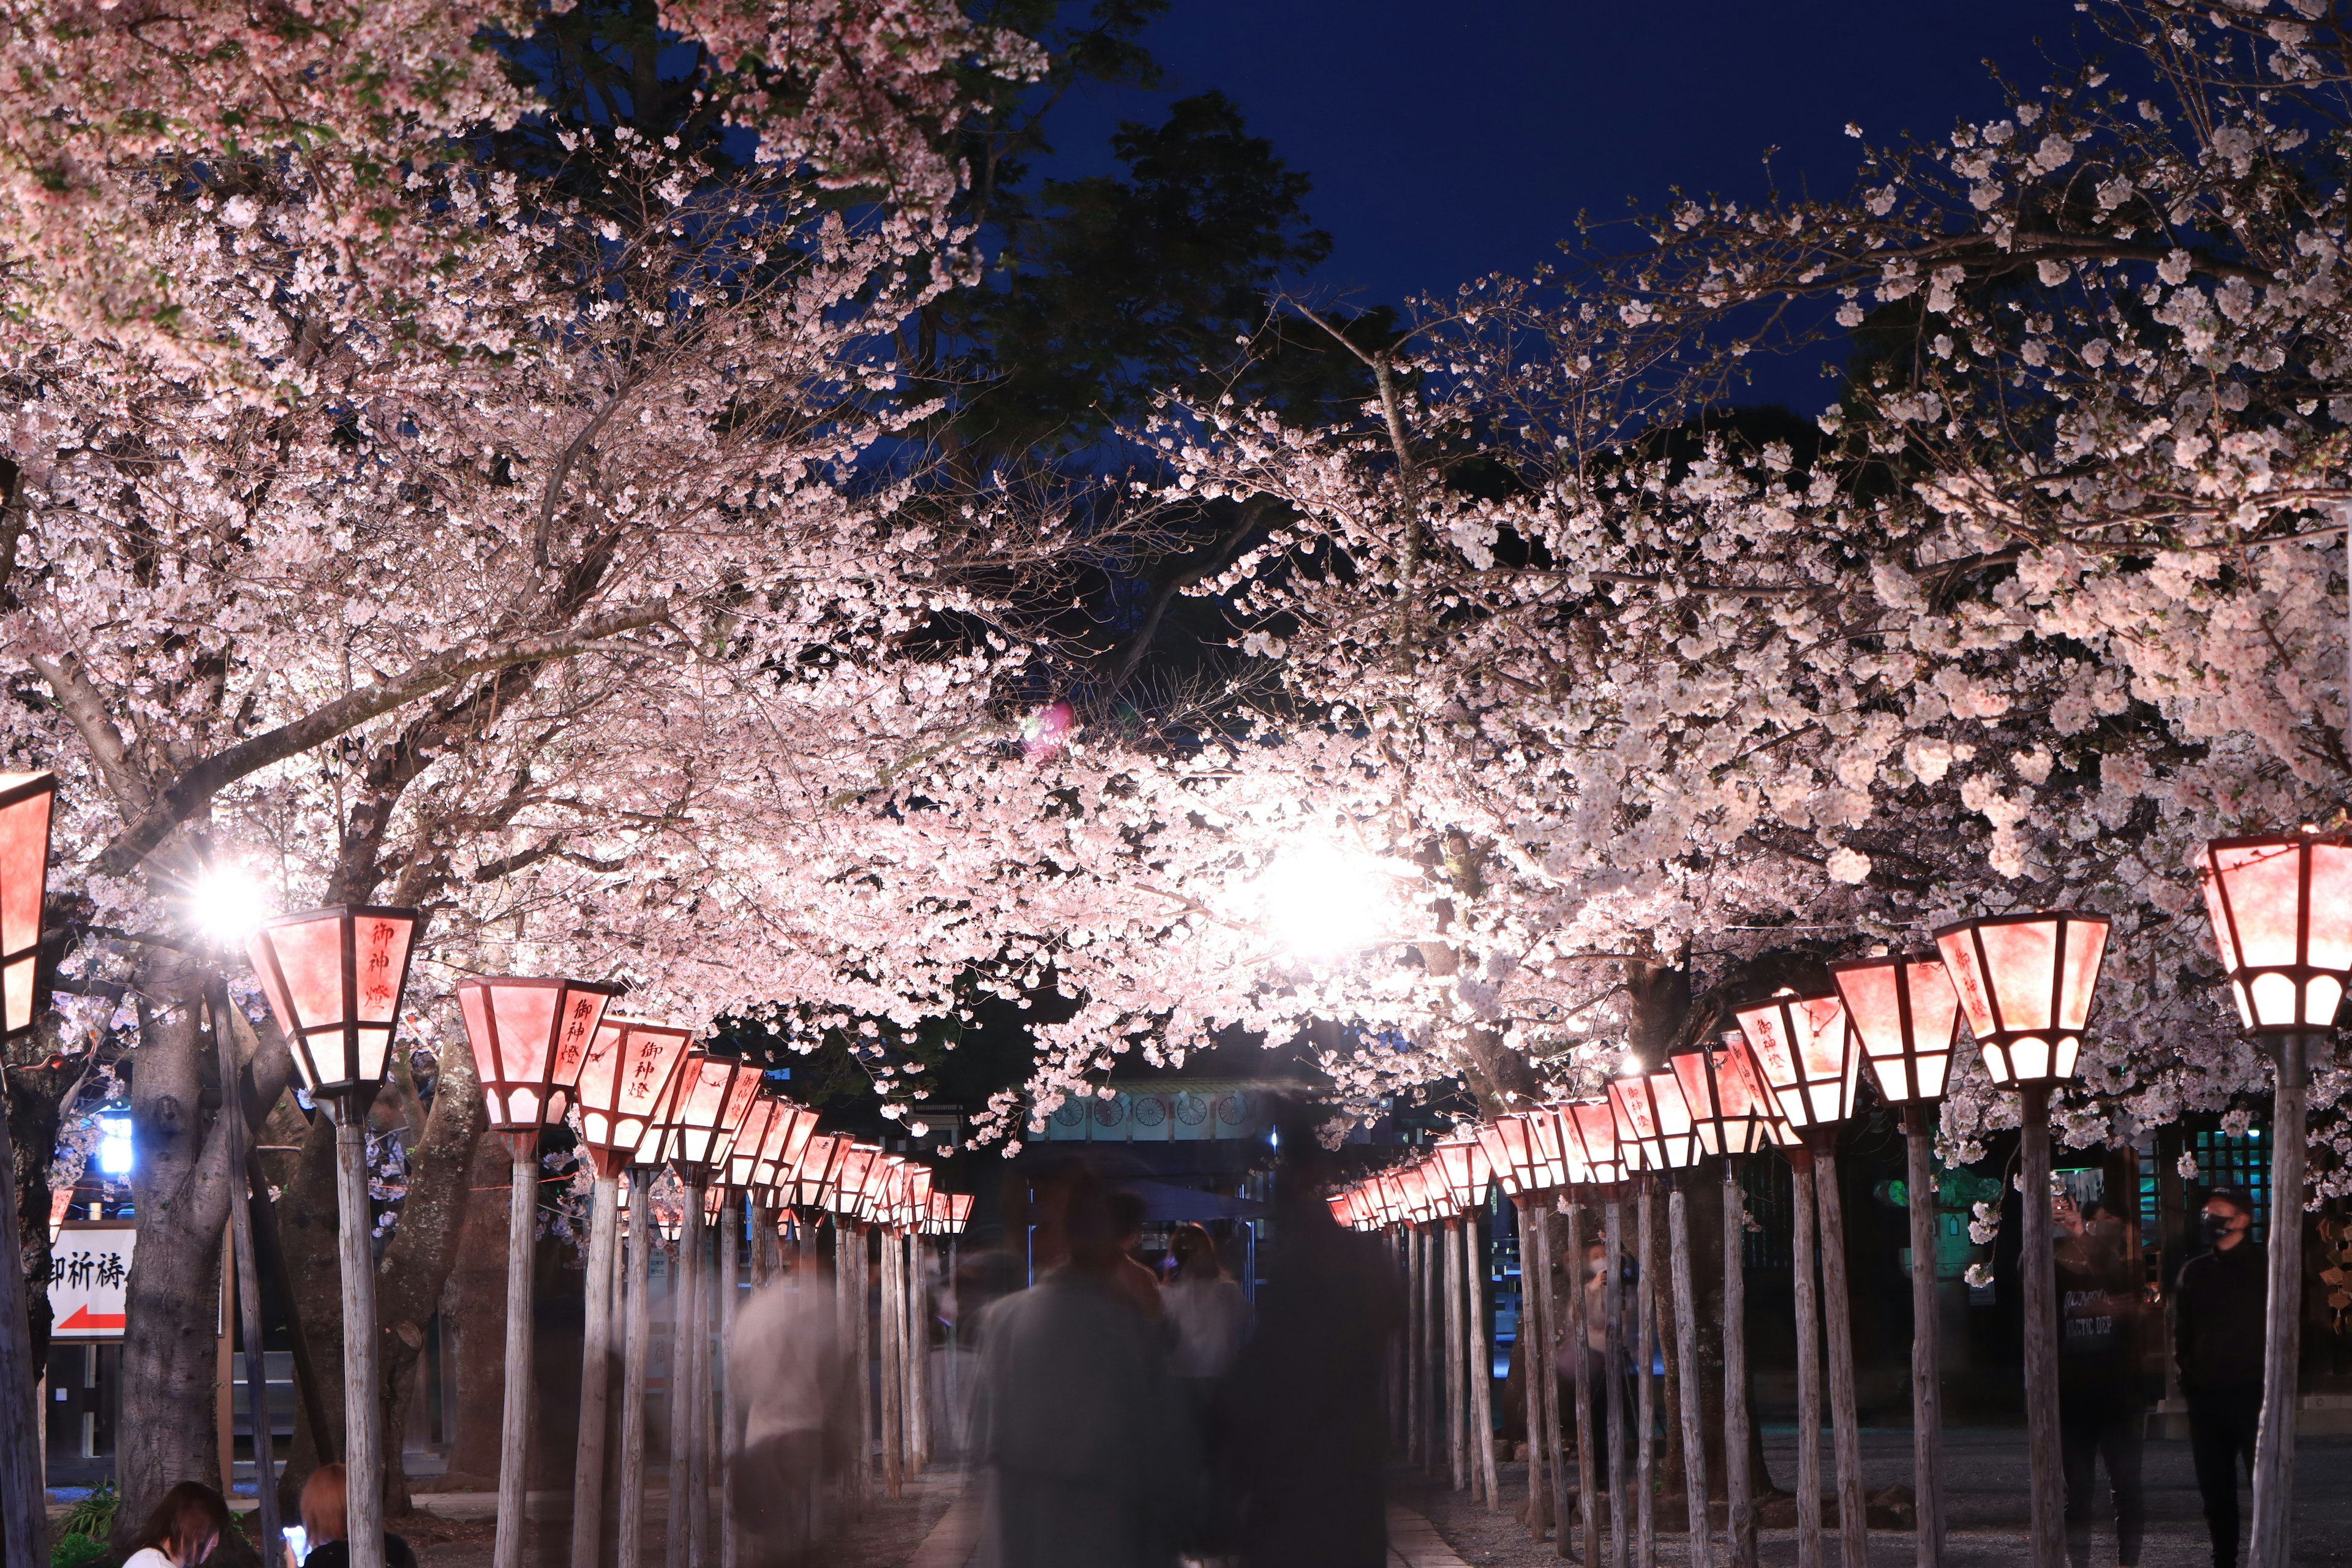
{"points": [[183, 1531], [326, 1520]]}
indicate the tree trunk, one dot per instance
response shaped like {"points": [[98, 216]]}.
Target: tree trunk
{"points": [[24, 1497], [474, 1330], [2038, 1269], [1809, 1370], [1853, 1523], [1926, 1377]]}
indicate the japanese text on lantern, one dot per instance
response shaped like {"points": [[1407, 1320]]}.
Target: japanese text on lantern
{"points": [[378, 980], [575, 1032]]}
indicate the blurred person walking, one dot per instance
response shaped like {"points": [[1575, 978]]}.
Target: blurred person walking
{"points": [[1208, 1320], [797, 1392], [1308, 1423], [2217, 1341], [1074, 1422], [2101, 1408]]}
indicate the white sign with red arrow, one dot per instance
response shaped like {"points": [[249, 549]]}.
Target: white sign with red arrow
{"points": [[89, 1265]]}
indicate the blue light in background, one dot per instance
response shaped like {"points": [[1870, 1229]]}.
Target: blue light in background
{"points": [[114, 1155]]}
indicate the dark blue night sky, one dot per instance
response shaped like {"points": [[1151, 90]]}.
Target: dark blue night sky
{"points": [[1449, 140]]}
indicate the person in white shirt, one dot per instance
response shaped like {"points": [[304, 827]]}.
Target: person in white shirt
{"points": [[797, 1390]]}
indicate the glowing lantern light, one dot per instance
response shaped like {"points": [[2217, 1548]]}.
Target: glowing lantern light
{"points": [[27, 802], [1462, 1165], [622, 1084], [1802, 1049], [707, 1103], [334, 978], [1731, 1113], [2025, 982], [1592, 1124], [1906, 1014], [812, 1177], [530, 1039], [2282, 911]]}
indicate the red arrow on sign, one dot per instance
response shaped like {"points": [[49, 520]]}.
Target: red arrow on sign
{"points": [[92, 1322]]}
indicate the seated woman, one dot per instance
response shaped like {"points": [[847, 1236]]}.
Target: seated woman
{"points": [[183, 1531], [326, 1504]]}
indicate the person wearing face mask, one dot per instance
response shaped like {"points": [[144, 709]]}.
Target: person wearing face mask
{"points": [[2217, 1339]]}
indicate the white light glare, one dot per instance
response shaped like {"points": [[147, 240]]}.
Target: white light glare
{"points": [[114, 1156], [227, 903], [1321, 902]]}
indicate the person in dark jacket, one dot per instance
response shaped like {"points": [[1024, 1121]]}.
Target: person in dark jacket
{"points": [[2100, 1404], [2217, 1338]]}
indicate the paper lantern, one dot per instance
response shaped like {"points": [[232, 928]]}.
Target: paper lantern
{"points": [[27, 802], [1654, 1119], [812, 1178], [1905, 1015], [335, 978], [1509, 1153], [1592, 1125], [1462, 1165], [788, 1132], [849, 1175], [624, 1081], [1557, 1160], [1732, 1113], [1801, 1049], [743, 1148], [530, 1039], [2025, 982], [707, 1103], [959, 1212], [2282, 911]]}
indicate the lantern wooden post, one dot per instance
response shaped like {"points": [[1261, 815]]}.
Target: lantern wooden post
{"points": [[2281, 906], [1612, 1295], [1451, 1327], [918, 1350], [1809, 1367], [1482, 1359], [682, 1326], [731, 1236], [334, 978], [1687, 1351], [1433, 1357], [2025, 982], [620, 1088], [1926, 1370], [1588, 1470], [1739, 1494], [892, 1387], [1853, 1523], [1533, 1354], [2037, 1268], [1416, 1423], [514, 1418], [1906, 1016], [1645, 1270], [636, 1366]]}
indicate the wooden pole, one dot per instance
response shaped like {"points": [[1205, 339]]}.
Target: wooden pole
{"points": [[681, 1384], [514, 1410], [1433, 1357], [1482, 1359], [698, 1453], [730, 1237], [1808, 1368], [1853, 1520], [1574, 1333], [2037, 1264], [595, 1347], [236, 1129], [363, 1411], [1458, 1455], [894, 1388], [635, 1367], [2273, 1527], [919, 1355], [1415, 1424], [1646, 1319], [24, 1487], [224, 1376], [1927, 1378], [1702, 1555], [1612, 1297], [1398, 1341], [1531, 1351], [862, 1332], [1739, 1511]]}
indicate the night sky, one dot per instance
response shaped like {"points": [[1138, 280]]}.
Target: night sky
{"points": [[1449, 138]]}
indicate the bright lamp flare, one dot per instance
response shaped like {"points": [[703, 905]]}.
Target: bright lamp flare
{"points": [[1322, 903], [227, 903]]}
